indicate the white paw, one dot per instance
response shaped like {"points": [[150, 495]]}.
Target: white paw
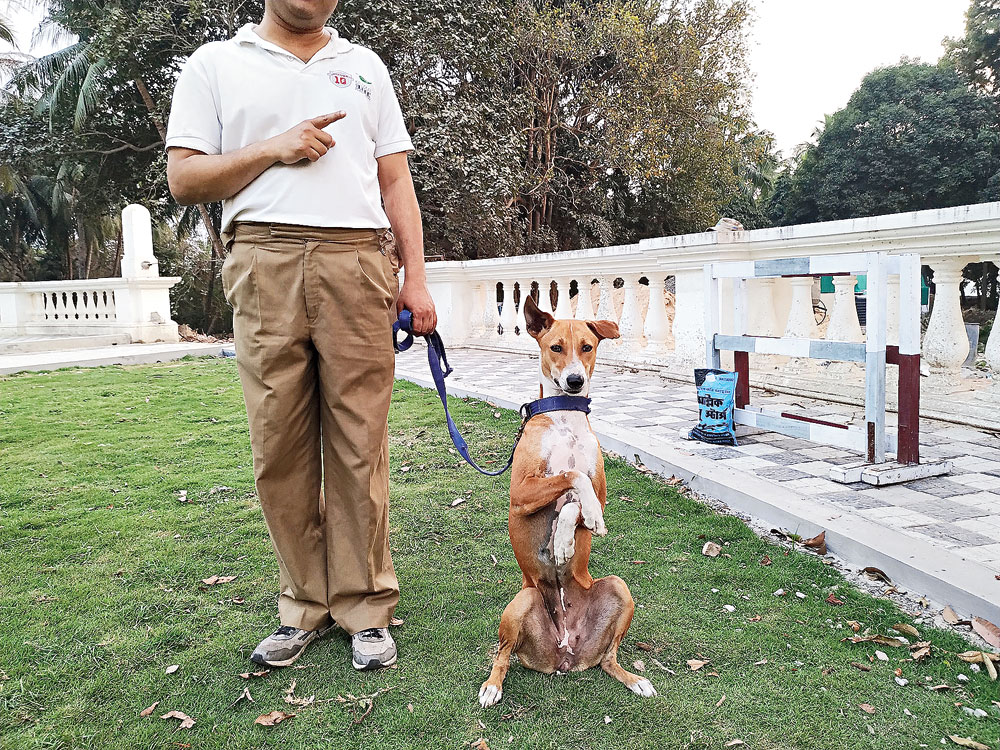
{"points": [[563, 549], [594, 520], [644, 688], [490, 695]]}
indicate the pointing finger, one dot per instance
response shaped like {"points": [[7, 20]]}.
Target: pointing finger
{"points": [[324, 120]]}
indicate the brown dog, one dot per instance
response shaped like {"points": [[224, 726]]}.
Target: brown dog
{"points": [[562, 620]]}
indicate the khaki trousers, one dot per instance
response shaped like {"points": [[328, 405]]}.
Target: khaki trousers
{"points": [[313, 309]]}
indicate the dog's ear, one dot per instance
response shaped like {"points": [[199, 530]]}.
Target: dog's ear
{"points": [[538, 322], [604, 329]]}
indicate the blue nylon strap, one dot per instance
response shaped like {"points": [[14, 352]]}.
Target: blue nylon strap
{"points": [[438, 361]]}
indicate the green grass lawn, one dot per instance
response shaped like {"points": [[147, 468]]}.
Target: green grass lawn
{"points": [[101, 569]]}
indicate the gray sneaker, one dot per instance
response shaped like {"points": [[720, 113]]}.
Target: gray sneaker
{"points": [[284, 646], [373, 648]]}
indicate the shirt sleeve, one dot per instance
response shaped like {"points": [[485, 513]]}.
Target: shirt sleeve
{"points": [[392, 136], [194, 115]]}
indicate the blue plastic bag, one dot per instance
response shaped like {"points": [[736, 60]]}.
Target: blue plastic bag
{"points": [[716, 401]]}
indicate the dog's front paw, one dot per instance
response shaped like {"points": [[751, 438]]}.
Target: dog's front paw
{"points": [[490, 695], [563, 549], [643, 687], [594, 520]]}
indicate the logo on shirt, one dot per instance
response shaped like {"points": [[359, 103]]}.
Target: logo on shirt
{"points": [[340, 79]]}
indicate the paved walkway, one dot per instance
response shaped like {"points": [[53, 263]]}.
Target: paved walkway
{"points": [[958, 515], [121, 354]]}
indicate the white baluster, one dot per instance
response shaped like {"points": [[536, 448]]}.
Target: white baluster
{"points": [[476, 328], [524, 291], [844, 324], [763, 321], [657, 324], [563, 309], [508, 317], [946, 343], [605, 305], [490, 310], [801, 318], [584, 299], [630, 324]]}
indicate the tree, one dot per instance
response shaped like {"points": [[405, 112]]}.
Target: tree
{"points": [[911, 137], [977, 55]]}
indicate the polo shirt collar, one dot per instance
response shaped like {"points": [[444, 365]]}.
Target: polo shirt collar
{"points": [[334, 47]]}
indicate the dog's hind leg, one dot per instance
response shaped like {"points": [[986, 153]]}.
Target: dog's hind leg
{"points": [[525, 630], [617, 605]]}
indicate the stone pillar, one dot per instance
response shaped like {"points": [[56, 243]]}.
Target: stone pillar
{"points": [[993, 342], [657, 325], [563, 310], [762, 320], [801, 318], [689, 317], [138, 261], [630, 324], [490, 310], [524, 291], [844, 324], [477, 329], [508, 317], [946, 343]]}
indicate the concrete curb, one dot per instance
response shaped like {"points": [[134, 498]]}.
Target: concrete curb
{"points": [[938, 574], [123, 354]]}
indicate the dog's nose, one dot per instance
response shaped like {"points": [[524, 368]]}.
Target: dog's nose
{"points": [[574, 382]]}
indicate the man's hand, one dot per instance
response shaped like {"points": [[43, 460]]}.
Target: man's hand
{"points": [[307, 140], [415, 297]]}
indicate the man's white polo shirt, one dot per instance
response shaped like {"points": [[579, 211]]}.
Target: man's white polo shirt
{"points": [[244, 90]]}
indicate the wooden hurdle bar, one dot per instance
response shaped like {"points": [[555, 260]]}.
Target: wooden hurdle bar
{"points": [[873, 440]]}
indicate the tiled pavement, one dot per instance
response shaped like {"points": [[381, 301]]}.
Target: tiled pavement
{"points": [[959, 512]]}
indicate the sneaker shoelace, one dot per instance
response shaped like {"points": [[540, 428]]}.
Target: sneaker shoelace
{"points": [[371, 634], [286, 630]]}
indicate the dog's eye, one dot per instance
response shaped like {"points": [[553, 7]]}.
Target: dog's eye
{"points": [[556, 348], [587, 348]]}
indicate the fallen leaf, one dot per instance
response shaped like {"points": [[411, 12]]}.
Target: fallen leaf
{"points": [[755, 618], [643, 646], [696, 664], [939, 688], [817, 543], [967, 742], [148, 711], [409, 707], [987, 631], [855, 625], [953, 619], [275, 717], [876, 573], [884, 640], [171, 669], [480, 744], [862, 667], [394, 621], [457, 501], [711, 549], [833, 601], [765, 561], [639, 665], [721, 700], [244, 696], [991, 670], [921, 653], [186, 721], [867, 708], [734, 743], [262, 673], [976, 657], [212, 580]]}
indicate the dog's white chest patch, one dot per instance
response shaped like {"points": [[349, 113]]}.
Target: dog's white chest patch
{"points": [[569, 444]]}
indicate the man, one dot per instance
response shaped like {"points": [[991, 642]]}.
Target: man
{"points": [[298, 132]]}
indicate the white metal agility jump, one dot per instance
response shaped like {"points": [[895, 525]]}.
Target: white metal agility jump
{"points": [[873, 440]]}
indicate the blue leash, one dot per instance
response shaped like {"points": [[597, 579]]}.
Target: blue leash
{"points": [[440, 369]]}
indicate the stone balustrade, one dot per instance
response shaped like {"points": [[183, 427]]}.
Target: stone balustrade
{"points": [[137, 304], [654, 289]]}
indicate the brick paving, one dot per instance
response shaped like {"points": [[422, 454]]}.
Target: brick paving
{"points": [[959, 512]]}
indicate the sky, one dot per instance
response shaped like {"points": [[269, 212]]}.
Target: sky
{"points": [[806, 56]]}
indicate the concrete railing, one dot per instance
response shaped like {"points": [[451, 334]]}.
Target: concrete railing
{"points": [[137, 304], [655, 289]]}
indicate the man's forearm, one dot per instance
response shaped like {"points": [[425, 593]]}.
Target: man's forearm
{"points": [[206, 178], [404, 217]]}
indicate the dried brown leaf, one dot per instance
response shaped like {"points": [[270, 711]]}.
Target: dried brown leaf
{"points": [[639, 665], [171, 669], [987, 631], [867, 708], [862, 667], [817, 543], [696, 664], [249, 675], [765, 561], [902, 627], [833, 601], [991, 669], [394, 621], [148, 711], [968, 742], [711, 549], [876, 573], [186, 721], [480, 744], [275, 717]]}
